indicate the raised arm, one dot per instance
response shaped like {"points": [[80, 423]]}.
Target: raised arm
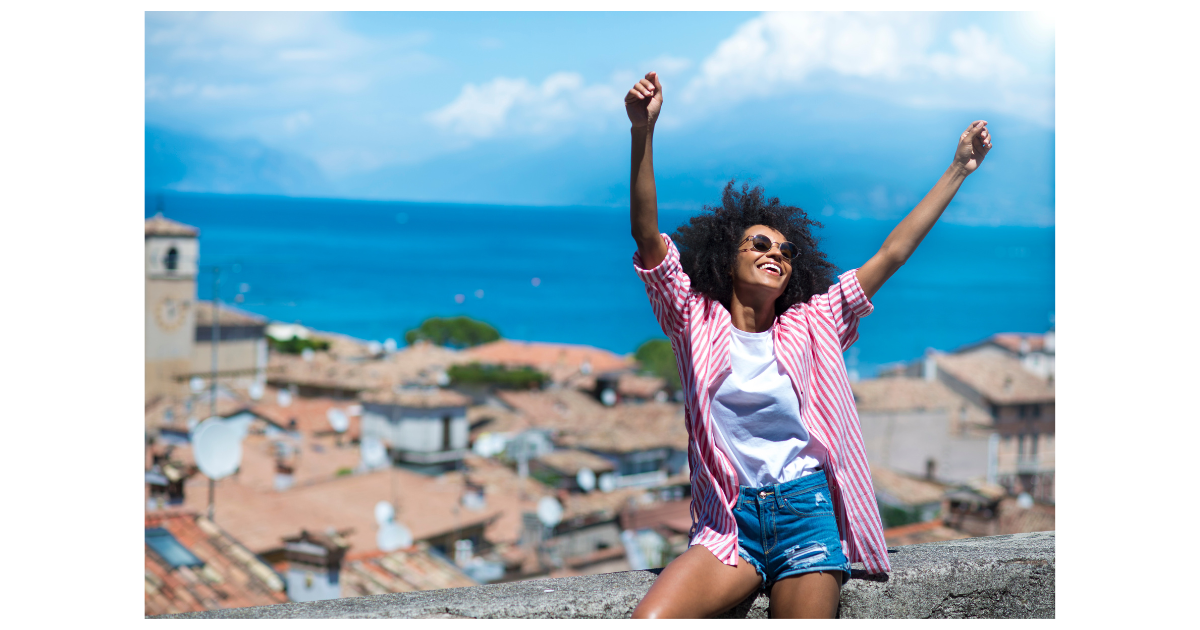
{"points": [[973, 146], [643, 103]]}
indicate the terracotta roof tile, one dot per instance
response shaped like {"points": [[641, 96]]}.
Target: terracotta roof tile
{"points": [[906, 489], [1000, 379], [902, 393], [423, 397], [581, 422], [230, 578], [571, 461], [429, 506], [558, 360], [404, 570], [158, 225], [230, 316]]}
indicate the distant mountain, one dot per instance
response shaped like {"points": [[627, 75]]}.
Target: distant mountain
{"points": [[183, 162]]}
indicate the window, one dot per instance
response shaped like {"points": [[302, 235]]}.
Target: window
{"points": [[1021, 445], [171, 262], [445, 433], [165, 545], [1033, 440], [1037, 411]]}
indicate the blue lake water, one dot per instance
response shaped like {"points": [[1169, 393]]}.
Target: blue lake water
{"points": [[376, 269]]}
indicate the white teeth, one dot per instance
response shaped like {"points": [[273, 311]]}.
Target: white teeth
{"points": [[773, 267]]}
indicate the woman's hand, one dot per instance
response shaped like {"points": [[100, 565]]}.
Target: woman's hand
{"points": [[644, 100], [973, 146]]}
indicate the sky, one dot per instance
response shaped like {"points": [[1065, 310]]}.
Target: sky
{"points": [[854, 114]]}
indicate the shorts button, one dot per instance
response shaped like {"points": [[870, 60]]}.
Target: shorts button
{"points": [[762, 495]]}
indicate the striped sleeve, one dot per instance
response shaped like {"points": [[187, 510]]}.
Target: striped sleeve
{"points": [[669, 289], [844, 304]]}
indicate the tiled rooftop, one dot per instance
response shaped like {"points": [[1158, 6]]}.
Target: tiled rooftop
{"points": [[401, 571], [231, 576], [916, 533], [158, 225], [571, 461], [558, 360], [581, 422], [1001, 379], [1012, 342], [418, 397], [902, 393], [249, 507], [229, 316], [904, 488], [672, 516], [310, 413]]}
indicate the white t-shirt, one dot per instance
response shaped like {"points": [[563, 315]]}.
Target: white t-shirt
{"points": [[757, 416]]}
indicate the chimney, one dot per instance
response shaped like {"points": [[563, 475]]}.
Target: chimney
{"points": [[929, 368], [314, 565]]}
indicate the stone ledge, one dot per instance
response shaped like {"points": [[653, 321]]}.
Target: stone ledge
{"points": [[992, 577]]}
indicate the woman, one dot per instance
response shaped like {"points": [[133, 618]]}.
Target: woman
{"points": [[758, 324]]}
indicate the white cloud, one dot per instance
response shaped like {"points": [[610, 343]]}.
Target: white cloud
{"points": [[893, 55], [505, 105]]}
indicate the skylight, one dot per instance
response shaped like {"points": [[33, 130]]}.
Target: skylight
{"points": [[165, 545]]}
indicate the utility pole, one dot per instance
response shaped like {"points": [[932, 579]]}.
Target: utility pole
{"points": [[216, 337]]}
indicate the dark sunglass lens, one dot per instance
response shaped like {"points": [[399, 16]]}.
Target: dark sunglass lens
{"points": [[788, 250], [761, 243]]}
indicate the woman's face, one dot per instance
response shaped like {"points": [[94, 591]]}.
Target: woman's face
{"points": [[761, 271]]}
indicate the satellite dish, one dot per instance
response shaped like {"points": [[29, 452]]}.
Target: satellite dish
{"points": [[608, 397], [1024, 501], [338, 419], [549, 511], [354, 410], [374, 348], [217, 447], [307, 354], [256, 391], [373, 452], [384, 513], [393, 536], [283, 397], [389, 345], [197, 384], [586, 479], [607, 482]]}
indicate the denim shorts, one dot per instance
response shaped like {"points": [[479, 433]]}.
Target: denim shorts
{"points": [[789, 529]]}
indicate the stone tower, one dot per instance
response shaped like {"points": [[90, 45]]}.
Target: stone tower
{"points": [[172, 257]]}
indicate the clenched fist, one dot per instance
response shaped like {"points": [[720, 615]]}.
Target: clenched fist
{"points": [[644, 100]]}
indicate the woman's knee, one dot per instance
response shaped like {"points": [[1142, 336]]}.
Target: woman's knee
{"points": [[650, 610]]}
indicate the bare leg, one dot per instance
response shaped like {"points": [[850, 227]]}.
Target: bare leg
{"points": [[807, 596], [697, 585]]}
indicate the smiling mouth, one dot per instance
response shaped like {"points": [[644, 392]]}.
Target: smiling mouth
{"points": [[772, 269]]}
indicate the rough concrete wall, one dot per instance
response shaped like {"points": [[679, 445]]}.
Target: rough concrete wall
{"points": [[994, 577]]}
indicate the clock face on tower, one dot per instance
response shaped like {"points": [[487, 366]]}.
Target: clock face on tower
{"points": [[170, 313]]}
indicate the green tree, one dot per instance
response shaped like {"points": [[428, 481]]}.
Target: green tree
{"points": [[496, 375], [455, 332], [657, 358], [296, 345]]}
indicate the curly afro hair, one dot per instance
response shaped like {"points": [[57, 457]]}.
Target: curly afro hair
{"points": [[708, 245]]}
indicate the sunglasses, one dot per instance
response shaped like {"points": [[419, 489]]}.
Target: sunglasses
{"points": [[763, 244]]}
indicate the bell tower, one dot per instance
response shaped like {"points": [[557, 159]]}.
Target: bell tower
{"points": [[172, 258]]}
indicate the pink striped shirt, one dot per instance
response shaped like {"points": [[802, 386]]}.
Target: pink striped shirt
{"points": [[809, 341]]}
